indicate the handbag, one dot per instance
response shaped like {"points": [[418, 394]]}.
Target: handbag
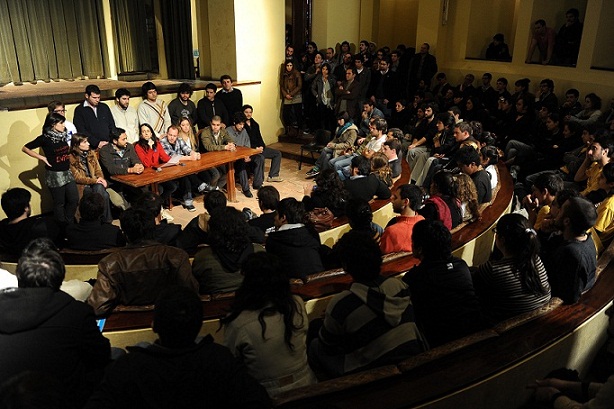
{"points": [[320, 218]]}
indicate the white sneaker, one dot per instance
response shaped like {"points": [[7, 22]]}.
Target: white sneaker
{"points": [[166, 215]]}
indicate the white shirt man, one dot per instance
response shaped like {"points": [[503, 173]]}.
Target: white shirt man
{"points": [[125, 116]]}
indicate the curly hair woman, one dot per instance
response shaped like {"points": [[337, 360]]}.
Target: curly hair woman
{"points": [[217, 268], [328, 192]]}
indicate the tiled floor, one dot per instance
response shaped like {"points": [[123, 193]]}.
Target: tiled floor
{"points": [[292, 186]]}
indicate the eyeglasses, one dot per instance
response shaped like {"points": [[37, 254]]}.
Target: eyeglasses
{"points": [[59, 111]]}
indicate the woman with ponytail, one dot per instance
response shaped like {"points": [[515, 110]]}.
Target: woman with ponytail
{"points": [[518, 282]]}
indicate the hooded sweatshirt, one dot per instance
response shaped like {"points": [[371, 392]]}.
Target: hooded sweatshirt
{"points": [[298, 248], [49, 331]]}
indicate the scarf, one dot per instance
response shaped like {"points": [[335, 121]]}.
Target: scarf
{"points": [[56, 136], [342, 129]]}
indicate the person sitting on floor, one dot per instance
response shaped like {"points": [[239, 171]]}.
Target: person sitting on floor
{"points": [[92, 233], [297, 246], [406, 200], [197, 230], [137, 273], [19, 228], [445, 302], [165, 232], [371, 323], [178, 370], [268, 198]]}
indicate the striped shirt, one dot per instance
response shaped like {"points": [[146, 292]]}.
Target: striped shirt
{"points": [[501, 293]]}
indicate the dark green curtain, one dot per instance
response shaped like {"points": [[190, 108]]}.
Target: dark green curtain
{"points": [[132, 50], [177, 26], [51, 39]]}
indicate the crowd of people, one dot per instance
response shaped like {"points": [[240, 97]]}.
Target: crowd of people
{"points": [[454, 139]]}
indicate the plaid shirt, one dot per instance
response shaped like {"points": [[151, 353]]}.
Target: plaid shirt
{"points": [[179, 148]]}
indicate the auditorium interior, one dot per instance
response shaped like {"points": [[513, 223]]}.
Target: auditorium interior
{"points": [[245, 39]]}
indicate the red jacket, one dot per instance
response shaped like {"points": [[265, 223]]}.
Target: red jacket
{"points": [[152, 158]]}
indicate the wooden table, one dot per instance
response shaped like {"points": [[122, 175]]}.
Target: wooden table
{"points": [[151, 177]]}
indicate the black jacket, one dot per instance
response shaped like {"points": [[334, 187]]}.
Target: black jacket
{"points": [[97, 127], [298, 249], [49, 331]]}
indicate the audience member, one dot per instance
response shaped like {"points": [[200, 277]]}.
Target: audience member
{"points": [[381, 168], [44, 329], [571, 257], [328, 192], [442, 204], [137, 273], [341, 144], [406, 200], [517, 283], [572, 105], [56, 158], [567, 46], [196, 232], [597, 156], [290, 84], [19, 229], [375, 311], [297, 246], [268, 198], [468, 160], [267, 326], [392, 149], [93, 232], [362, 183], [444, 300], [87, 172], [468, 198], [543, 39], [347, 92], [153, 111], [323, 89], [423, 66], [498, 50], [561, 393], [543, 192], [217, 267], [605, 211], [125, 116], [590, 113], [164, 232], [94, 119], [155, 376]]}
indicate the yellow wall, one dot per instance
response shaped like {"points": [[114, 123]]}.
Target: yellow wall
{"points": [[397, 23], [332, 23], [485, 22]]}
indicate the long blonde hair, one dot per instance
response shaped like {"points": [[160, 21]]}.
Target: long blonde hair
{"points": [[468, 193], [190, 137]]}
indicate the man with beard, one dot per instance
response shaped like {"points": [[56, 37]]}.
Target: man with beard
{"points": [[182, 106], [125, 116], [570, 258]]}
